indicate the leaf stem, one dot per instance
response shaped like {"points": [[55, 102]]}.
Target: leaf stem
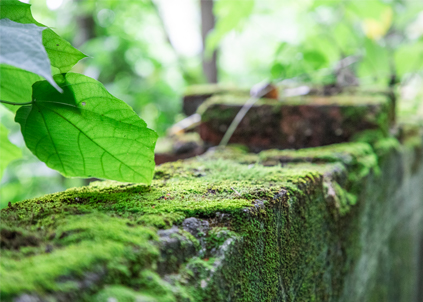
{"points": [[15, 104]]}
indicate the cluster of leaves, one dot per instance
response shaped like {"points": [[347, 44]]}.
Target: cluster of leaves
{"points": [[231, 15], [372, 38], [371, 34], [69, 121]]}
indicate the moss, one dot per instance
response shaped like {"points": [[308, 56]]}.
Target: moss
{"points": [[385, 146], [99, 224], [342, 199], [212, 89], [15, 238], [121, 294], [161, 220], [200, 188], [359, 158], [80, 244], [217, 236], [369, 136], [231, 103], [282, 222], [380, 142], [341, 100], [151, 284], [188, 237], [377, 115], [277, 248]]}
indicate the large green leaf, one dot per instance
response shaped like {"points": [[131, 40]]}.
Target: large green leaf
{"points": [[62, 55], [87, 132], [8, 151], [22, 47]]}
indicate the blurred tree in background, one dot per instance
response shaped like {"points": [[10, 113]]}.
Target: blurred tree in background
{"points": [[146, 52]]}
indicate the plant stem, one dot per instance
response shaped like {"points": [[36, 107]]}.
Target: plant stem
{"points": [[15, 104]]}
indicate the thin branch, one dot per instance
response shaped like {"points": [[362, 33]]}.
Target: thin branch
{"points": [[242, 112]]}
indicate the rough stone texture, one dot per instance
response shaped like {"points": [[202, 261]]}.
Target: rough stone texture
{"points": [[335, 223], [297, 122]]}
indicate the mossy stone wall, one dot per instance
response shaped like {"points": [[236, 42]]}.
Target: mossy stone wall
{"points": [[335, 223]]}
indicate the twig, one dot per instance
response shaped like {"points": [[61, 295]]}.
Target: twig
{"points": [[240, 115], [236, 192]]}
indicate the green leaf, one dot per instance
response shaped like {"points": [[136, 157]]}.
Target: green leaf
{"points": [[278, 71], [367, 9], [230, 15], [16, 85], [326, 52], [314, 58], [346, 37], [62, 55], [87, 132], [22, 47], [375, 65], [408, 58], [8, 151]]}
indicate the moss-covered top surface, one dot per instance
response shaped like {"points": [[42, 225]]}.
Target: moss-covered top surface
{"points": [[338, 100], [182, 189], [210, 89], [51, 242]]}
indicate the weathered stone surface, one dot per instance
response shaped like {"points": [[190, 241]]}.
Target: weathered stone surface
{"points": [[197, 94], [297, 122], [334, 223], [177, 147]]}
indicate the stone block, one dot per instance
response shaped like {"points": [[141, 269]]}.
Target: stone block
{"points": [[295, 122]]}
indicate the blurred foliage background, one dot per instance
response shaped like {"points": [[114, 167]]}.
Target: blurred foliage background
{"points": [[146, 52]]}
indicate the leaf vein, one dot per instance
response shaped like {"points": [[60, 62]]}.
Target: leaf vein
{"points": [[101, 147], [82, 155], [52, 141]]}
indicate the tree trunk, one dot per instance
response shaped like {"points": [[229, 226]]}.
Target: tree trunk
{"points": [[86, 29], [207, 24]]}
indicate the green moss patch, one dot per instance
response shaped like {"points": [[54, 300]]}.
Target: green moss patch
{"points": [[79, 244]]}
